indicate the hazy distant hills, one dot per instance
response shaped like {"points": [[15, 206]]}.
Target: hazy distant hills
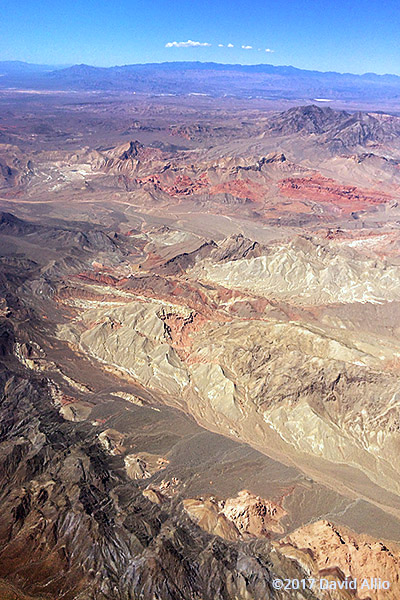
{"points": [[181, 78], [17, 67]]}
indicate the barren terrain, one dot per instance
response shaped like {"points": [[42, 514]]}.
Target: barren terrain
{"points": [[200, 346]]}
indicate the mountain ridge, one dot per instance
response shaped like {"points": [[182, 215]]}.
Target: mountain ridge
{"points": [[206, 65], [213, 79]]}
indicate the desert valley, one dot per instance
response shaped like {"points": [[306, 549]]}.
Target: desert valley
{"points": [[200, 339]]}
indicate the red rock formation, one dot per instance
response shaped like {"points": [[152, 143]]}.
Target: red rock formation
{"points": [[185, 186], [253, 515], [241, 188], [94, 277], [247, 515], [181, 330], [345, 198], [356, 556]]}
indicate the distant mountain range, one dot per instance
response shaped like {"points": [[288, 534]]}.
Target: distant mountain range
{"points": [[18, 67], [214, 79]]}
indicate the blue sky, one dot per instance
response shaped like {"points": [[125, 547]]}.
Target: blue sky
{"points": [[343, 35]]}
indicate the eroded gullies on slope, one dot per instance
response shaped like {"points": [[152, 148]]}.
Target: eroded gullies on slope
{"points": [[180, 344], [281, 341]]}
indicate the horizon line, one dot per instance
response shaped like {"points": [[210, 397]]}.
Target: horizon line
{"points": [[83, 64]]}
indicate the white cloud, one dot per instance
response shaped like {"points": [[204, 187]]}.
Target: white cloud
{"points": [[220, 45], [188, 44], [229, 45], [247, 47], [269, 50]]}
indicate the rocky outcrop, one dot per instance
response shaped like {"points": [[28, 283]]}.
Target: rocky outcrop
{"points": [[327, 548], [346, 199], [73, 524], [331, 274], [207, 515], [253, 515], [246, 516], [337, 129], [143, 465]]}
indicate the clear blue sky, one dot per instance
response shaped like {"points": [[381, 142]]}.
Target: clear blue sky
{"points": [[342, 35]]}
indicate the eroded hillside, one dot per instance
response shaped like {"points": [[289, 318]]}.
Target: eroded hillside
{"points": [[200, 350]]}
